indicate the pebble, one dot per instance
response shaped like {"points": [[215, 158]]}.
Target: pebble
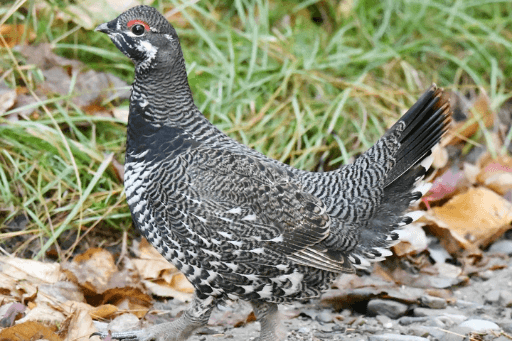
{"points": [[487, 274], [427, 331], [324, 317], [492, 297], [304, 330], [433, 302], [395, 337], [466, 304], [407, 320], [454, 318], [455, 334], [506, 298], [479, 325], [388, 308], [502, 246], [385, 321], [434, 312], [507, 328]]}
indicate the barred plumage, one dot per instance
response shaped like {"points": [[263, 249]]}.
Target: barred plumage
{"points": [[238, 224]]}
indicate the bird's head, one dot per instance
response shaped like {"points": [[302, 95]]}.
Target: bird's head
{"points": [[145, 36]]}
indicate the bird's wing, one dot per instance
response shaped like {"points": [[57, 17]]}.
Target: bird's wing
{"points": [[239, 209], [255, 200]]}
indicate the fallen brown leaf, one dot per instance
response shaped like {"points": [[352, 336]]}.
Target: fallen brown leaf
{"points": [[30, 330], [161, 277], [80, 327], [129, 299], [92, 270], [14, 33], [412, 240], [470, 220], [479, 109], [496, 174]]}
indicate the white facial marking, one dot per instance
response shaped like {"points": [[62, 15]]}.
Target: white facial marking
{"points": [[149, 51]]}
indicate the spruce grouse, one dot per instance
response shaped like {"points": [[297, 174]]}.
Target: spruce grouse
{"points": [[238, 224]]}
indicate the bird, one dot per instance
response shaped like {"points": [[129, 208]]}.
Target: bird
{"points": [[238, 224]]}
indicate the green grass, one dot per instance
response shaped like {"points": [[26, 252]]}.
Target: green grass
{"points": [[310, 83]]}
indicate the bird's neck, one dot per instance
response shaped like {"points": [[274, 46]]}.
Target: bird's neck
{"points": [[161, 93], [161, 99]]}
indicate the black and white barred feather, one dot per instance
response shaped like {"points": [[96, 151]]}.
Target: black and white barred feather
{"points": [[241, 225]]}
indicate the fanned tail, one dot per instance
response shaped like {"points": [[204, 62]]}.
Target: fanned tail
{"points": [[423, 126]]}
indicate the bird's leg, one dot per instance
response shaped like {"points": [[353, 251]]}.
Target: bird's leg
{"points": [[195, 316], [267, 315]]}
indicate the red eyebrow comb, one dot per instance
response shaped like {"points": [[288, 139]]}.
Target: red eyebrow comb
{"points": [[140, 22]]}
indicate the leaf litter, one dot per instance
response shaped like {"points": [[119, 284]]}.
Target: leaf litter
{"points": [[467, 209]]}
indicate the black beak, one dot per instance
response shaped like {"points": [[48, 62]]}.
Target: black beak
{"points": [[104, 28]]}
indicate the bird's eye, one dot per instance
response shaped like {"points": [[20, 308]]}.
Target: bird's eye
{"points": [[138, 29]]}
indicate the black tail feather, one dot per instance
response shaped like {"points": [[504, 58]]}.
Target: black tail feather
{"points": [[425, 124]]}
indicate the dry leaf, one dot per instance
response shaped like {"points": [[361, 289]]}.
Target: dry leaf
{"points": [[444, 186], [14, 33], [161, 277], [80, 327], [127, 298], [413, 240], [20, 269], [151, 264], [480, 109], [93, 269], [10, 313], [30, 330], [440, 155], [7, 98], [45, 314], [470, 220], [121, 113], [89, 87], [104, 311], [496, 174], [471, 172]]}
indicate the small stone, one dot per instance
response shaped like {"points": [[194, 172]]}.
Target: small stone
{"points": [[427, 331], [507, 328], [359, 321], [303, 330], [388, 308], [505, 298], [466, 304], [433, 302], [434, 312], [487, 274], [479, 325], [395, 337], [385, 321], [456, 333], [437, 322], [407, 320], [324, 317], [492, 297], [419, 331], [452, 319], [503, 246]]}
